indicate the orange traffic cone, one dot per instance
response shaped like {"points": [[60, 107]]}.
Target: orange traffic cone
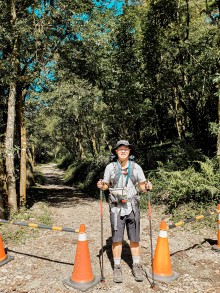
{"points": [[4, 258], [161, 269], [82, 277], [217, 246]]}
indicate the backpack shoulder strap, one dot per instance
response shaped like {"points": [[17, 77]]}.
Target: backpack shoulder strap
{"points": [[117, 172], [132, 177]]}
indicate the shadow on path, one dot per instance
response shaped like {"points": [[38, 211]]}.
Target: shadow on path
{"points": [[39, 257], [126, 252], [54, 192], [210, 241]]}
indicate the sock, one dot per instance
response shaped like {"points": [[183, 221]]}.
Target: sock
{"points": [[136, 259], [117, 261]]}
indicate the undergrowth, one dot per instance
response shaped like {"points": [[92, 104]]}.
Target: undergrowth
{"points": [[185, 193], [18, 234], [85, 174], [193, 210], [39, 177], [198, 184]]}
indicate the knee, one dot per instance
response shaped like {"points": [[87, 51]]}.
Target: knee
{"points": [[134, 244], [116, 244]]}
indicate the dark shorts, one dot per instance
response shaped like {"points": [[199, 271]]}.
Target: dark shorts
{"points": [[132, 224]]}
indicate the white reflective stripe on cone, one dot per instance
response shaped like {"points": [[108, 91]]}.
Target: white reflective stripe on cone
{"points": [[82, 237], [163, 234], [219, 226]]}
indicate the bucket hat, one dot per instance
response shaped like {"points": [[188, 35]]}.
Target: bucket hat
{"points": [[125, 143]]}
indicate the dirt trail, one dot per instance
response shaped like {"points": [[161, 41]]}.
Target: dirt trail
{"points": [[41, 263]]}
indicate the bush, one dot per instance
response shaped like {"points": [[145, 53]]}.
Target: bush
{"points": [[65, 162], [85, 174], [198, 183], [173, 156]]}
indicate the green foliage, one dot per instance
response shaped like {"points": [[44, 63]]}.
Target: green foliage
{"points": [[18, 234], [65, 162], [43, 215], [96, 171], [195, 184], [149, 75], [39, 177], [171, 156], [77, 172], [85, 174], [146, 75], [193, 209]]}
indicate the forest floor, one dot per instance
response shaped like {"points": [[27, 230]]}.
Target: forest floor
{"points": [[44, 259]]}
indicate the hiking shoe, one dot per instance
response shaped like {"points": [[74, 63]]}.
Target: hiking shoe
{"points": [[117, 274], [137, 272]]}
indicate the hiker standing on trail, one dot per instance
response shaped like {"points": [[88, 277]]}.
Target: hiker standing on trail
{"points": [[121, 177]]}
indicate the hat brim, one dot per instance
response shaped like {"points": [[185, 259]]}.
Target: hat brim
{"points": [[131, 147]]}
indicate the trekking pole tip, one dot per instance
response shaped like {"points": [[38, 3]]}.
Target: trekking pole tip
{"points": [[153, 286]]}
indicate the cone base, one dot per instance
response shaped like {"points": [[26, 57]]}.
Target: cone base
{"points": [[6, 260], [216, 248], [81, 286], [165, 279]]}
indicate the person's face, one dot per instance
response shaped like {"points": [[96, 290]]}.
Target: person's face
{"points": [[122, 152]]}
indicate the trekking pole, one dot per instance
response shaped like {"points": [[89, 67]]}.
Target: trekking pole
{"points": [[101, 216], [151, 242]]}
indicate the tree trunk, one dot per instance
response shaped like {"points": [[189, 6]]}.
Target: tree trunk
{"points": [[9, 139], [9, 149], [3, 193], [218, 135], [23, 147], [94, 145], [23, 168], [79, 140], [2, 181], [1, 207], [33, 155], [81, 150], [178, 116]]}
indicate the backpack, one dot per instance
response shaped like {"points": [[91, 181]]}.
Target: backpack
{"points": [[117, 171], [112, 199]]}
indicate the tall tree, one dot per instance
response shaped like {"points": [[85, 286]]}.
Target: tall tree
{"points": [[31, 32], [9, 139]]}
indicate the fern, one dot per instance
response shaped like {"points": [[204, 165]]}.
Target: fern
{"points": [[199, 184]]}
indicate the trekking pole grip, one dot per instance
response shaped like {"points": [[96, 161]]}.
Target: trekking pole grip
{"points": [[148, 185]]}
